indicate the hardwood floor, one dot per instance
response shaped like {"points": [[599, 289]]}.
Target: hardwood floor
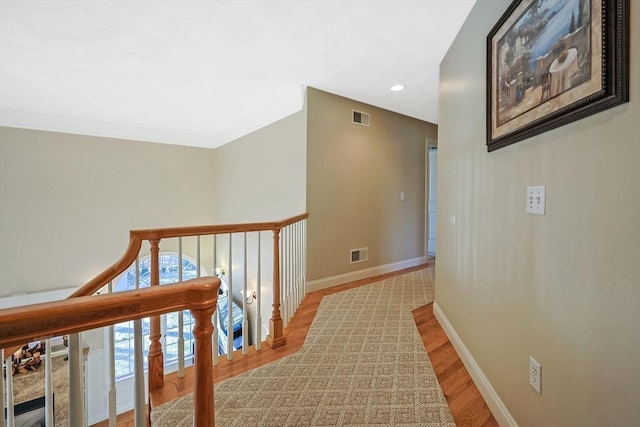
{"points": [[465, 401], [466, 404]]}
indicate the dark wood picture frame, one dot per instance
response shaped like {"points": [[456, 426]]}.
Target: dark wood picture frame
{"points": [[552, 62]]}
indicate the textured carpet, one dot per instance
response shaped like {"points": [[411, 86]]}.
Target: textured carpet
{"points": [[362, 363]]}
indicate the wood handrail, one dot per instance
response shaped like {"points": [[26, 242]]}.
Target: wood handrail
{"points": [[292, 220], [38, 321], [137, 236], [119, 267], [74, 315], [203, 230]]}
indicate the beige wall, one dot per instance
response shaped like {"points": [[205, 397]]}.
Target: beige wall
{"points": [[354, 178], [261, 176], [565, 287], [67, 202]]}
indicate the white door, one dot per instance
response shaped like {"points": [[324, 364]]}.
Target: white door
{"points": [[431, 197]]}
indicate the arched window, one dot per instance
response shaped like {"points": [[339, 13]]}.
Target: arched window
{"points": [[123, 342]]}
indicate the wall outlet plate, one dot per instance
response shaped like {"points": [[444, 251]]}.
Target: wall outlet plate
{"points": [[535, 375], [536, 200]]}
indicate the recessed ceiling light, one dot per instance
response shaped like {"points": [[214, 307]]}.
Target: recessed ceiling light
{"points": [[397, 88]]}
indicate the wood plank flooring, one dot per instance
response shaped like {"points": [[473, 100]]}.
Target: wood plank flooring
{"points": [[466, 404], [465, 401]]}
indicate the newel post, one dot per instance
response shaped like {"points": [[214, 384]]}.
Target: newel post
{"points": [[276, 337], [156, 358], [203, 415]]}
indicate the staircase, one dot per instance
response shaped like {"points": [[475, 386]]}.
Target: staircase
{"points": [[238, 248]]}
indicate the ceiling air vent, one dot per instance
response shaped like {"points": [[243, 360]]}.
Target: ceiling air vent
{"points": [[360, 118], [359, 255]]}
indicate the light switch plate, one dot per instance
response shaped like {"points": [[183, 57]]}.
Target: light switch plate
{"points": [[536, 200]]}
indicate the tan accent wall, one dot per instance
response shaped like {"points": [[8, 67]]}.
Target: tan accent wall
{"points": [[354, 178], [67, 202], [261, 176], [565, 287]]}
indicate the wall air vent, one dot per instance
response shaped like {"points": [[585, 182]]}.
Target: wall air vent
{"points": [[358, 255], [360, 118]]}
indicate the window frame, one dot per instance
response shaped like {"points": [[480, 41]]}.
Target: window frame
{"points": [[123, 284]]}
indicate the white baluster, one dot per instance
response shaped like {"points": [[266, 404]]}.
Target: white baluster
{"points": [[48, 385], [245, 320], [284, 277], [198, 264], [258, 323], [304, 257], [291, 282], [9, 372], [214, 343], [10, 414], [290, 272], [111, 375], [76, 388], [139, 406], [299, 263], [216, 324], [181, 313], [229, 304]]}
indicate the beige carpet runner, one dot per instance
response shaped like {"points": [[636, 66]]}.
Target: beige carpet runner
{"points": [[363, 363]]}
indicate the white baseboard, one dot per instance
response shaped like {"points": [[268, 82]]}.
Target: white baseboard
{"points": [[498, 408], [341, 279]]}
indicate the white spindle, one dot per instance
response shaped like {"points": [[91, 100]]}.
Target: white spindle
{"points": [[245, 319], [282, 305], [229, 304], [216, 324], [2, 390], [198, 269], [139, 392], [139, 407], [111, 375], [289, 273], [76, 389], [299, 262], [48, 385], [292, 271], [304, 256], [10, 414], [2, 386], [258, 326], [198, 263], [181, 313], [293, 298], [284, 277]]}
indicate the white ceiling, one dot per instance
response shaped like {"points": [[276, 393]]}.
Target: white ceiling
{"points": [[204, 73]]}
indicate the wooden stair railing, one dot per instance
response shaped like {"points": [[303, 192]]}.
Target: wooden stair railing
{"points": [[154, 236], [38, 321]]}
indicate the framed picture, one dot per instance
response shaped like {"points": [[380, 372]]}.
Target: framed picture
{"points": [[551, 62]]}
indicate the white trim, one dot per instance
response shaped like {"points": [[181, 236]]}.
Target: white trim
{"points": [[27, 298], [341, 279], [498, 408]]}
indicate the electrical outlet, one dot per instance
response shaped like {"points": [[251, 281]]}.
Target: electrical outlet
{"points": [[536, 200], [535, 375]]}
